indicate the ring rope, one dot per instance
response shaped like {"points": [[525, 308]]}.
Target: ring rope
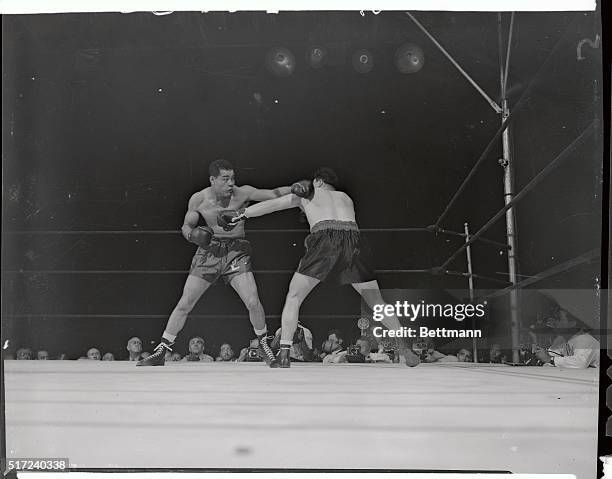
{"points": [[165, 316], [559, 268], [427, 229], [519, 104], [527, 188], [436, 271]]}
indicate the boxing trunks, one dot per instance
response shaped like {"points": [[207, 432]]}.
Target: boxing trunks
{"points": [[336, 253], [224, 257]]}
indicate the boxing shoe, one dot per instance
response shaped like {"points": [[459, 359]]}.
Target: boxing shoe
{"points": [[158, 358], [408, 357], [265, 352], [284, 360]]}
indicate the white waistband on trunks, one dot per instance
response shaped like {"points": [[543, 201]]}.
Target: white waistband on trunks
{"points": [[221, 239], [334, 225]]}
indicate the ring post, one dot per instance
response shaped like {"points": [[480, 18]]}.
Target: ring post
{"points": [[508, 166], [468, 254]]}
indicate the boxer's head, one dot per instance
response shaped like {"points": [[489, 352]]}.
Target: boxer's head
{"points": [[325, 176], [222, 178]]}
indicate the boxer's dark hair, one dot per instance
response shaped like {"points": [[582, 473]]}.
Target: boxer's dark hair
{"points": [[214, 169], [328, 175]]}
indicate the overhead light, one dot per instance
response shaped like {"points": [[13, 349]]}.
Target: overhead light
{"points": [[280, 61]]}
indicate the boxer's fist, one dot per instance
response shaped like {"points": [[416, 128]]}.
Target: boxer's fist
{"points": [[228, 219], [201, 236], [303, 189]]}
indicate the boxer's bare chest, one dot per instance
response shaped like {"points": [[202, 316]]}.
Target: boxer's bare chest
{"points": [[210, 205]]}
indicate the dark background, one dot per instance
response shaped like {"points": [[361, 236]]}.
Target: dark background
{"points": [[110, 122]]}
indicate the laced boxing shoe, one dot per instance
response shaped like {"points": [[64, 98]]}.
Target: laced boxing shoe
{"points": [[283, 359], [265, 352], [158, 357], [406, 355]]}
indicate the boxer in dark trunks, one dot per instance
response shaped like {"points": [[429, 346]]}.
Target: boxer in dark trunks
{"points": [[335, 252], [222, 252]]}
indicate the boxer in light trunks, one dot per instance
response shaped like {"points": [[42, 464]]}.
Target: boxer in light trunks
{"points": [[335, 252], [222, 252]]}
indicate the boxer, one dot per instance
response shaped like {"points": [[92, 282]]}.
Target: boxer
{"points": [[335, 252], [223, 252]]}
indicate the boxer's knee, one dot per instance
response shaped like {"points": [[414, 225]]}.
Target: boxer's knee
{"points": [[294, 297], [252, 302], [186, 303]]}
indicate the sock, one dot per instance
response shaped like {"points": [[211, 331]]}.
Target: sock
{"points": [[261, 332], [168, 338], [286, 343]]}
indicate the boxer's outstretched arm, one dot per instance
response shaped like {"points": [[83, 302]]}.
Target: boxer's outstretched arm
{"points": [[255, 194], [270, 206]]}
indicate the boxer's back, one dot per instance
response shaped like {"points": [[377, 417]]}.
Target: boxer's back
{"points": [[328, 205]]}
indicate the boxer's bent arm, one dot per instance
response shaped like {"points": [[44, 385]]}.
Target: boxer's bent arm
{"points": [[192, 217], [190, 222], [270, 206], [255, 194]]}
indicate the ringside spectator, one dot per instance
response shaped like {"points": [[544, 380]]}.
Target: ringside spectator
{"points": [[23, 354], [580, 351], [196, 351], [94, 354], [226, 353], [134, 348], [250, 354], [464, 356], [42, 355]]}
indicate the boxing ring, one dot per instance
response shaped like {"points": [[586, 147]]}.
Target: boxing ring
{"points": [[459, 416]]}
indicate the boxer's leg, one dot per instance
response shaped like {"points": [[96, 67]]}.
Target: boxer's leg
{"points": [[192, 291], [299, 288], [370, 292], [244, 284]]}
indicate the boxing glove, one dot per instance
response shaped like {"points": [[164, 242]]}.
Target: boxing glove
{"points": [[202, 235], [303, 189], [226, 219]]}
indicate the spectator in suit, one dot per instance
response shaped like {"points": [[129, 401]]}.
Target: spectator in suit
{"points": [[580, 350], [134, 349]]}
